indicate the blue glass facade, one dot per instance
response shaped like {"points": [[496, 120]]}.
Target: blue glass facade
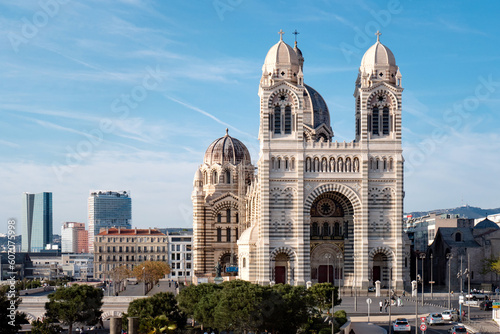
{"points": [[37, 221]]}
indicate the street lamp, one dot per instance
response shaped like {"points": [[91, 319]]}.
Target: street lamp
{"points": [[390, 297], [449, 256], [432, 281], [144, 278], [355, 257], [422, 256], [328, 257], [468, 288], [416, 295], [339, 257]]}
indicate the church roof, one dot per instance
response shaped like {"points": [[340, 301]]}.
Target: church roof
{"points": [[486, 223], [448, 234], [227, 150]]}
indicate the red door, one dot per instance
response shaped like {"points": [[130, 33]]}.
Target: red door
{"points": [[280, 274], [376, 273], [325, 275]]}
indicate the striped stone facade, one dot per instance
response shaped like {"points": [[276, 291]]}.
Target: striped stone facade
{"points": [[319, 210]]}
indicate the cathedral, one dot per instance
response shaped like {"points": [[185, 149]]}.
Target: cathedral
{"points": [[313, 209]]}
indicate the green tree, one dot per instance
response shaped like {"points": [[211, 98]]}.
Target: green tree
{"points": [[10, 318], [75, 304], [161, 324], [239, 306], [197, 301], [45, 326], [295, 310], [146, 309], [322, 295]]}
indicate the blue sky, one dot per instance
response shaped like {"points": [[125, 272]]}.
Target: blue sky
{"points": [[127, 95]]}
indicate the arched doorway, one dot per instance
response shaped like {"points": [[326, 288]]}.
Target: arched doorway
{"points": [[381, 266], [331, 237], [282, 265], [280, 268]]}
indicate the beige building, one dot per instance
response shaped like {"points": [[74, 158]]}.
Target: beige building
{"points": [[317, 210], [115, 247]]}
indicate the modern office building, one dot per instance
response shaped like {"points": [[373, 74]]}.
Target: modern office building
{"points": [[36, 227], [74, 238], [108, 209], [115, 247]]}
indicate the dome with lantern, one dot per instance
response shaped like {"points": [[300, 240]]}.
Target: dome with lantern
{"points": [[227, 150]]}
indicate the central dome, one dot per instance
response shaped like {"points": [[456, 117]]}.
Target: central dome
{"points": [[227, 150]]}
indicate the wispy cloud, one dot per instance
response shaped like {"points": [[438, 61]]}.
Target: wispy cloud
{"points": [[207, 114], [8, 143]]}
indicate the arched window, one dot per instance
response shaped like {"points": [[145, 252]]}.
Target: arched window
{"points": [[214, 177], [385, 121], [326, 229], [244, 262], [237, 217], [219, 234], [375, 121], [228, 234], [219, 218], [277, 120], [288, 120], [292, 164], [358, 127], [286, 164], [273, 166], [279, 164], [337, 229], [314, 229], [458, 236], [228, 215], [228, 176]]}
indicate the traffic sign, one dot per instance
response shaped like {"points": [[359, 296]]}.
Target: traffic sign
{"points": [[368, 301], [422, 319], [423, 327]]}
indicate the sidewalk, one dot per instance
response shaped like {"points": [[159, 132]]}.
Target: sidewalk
{"points": [[365, 327]]}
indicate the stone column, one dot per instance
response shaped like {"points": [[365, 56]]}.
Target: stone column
{"points": [[115, 326], [133, 325]]}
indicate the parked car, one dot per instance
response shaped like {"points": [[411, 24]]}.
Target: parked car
{"points": [[450, 315], [371, 289], [457, 329], [401, 325], [476, 296], [486, 305], [434, 319]]}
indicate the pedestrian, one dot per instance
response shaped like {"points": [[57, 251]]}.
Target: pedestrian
{"points": [[386, 304], [381, 304], [404, 293]]}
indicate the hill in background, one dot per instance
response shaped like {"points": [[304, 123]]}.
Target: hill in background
{"points": [[464, 211]]}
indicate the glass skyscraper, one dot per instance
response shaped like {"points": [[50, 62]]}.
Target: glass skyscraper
{"points": [[36, 229], [108, 209]]}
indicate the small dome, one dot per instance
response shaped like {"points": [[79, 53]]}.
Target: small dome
{"points": [[378, 55], [197, 175], [282, 62], [486, 223], [227, 150], [281, 54]]}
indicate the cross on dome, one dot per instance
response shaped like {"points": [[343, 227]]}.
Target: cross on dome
{"points": [[378, 33], [295, 33], [281, 32]]}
